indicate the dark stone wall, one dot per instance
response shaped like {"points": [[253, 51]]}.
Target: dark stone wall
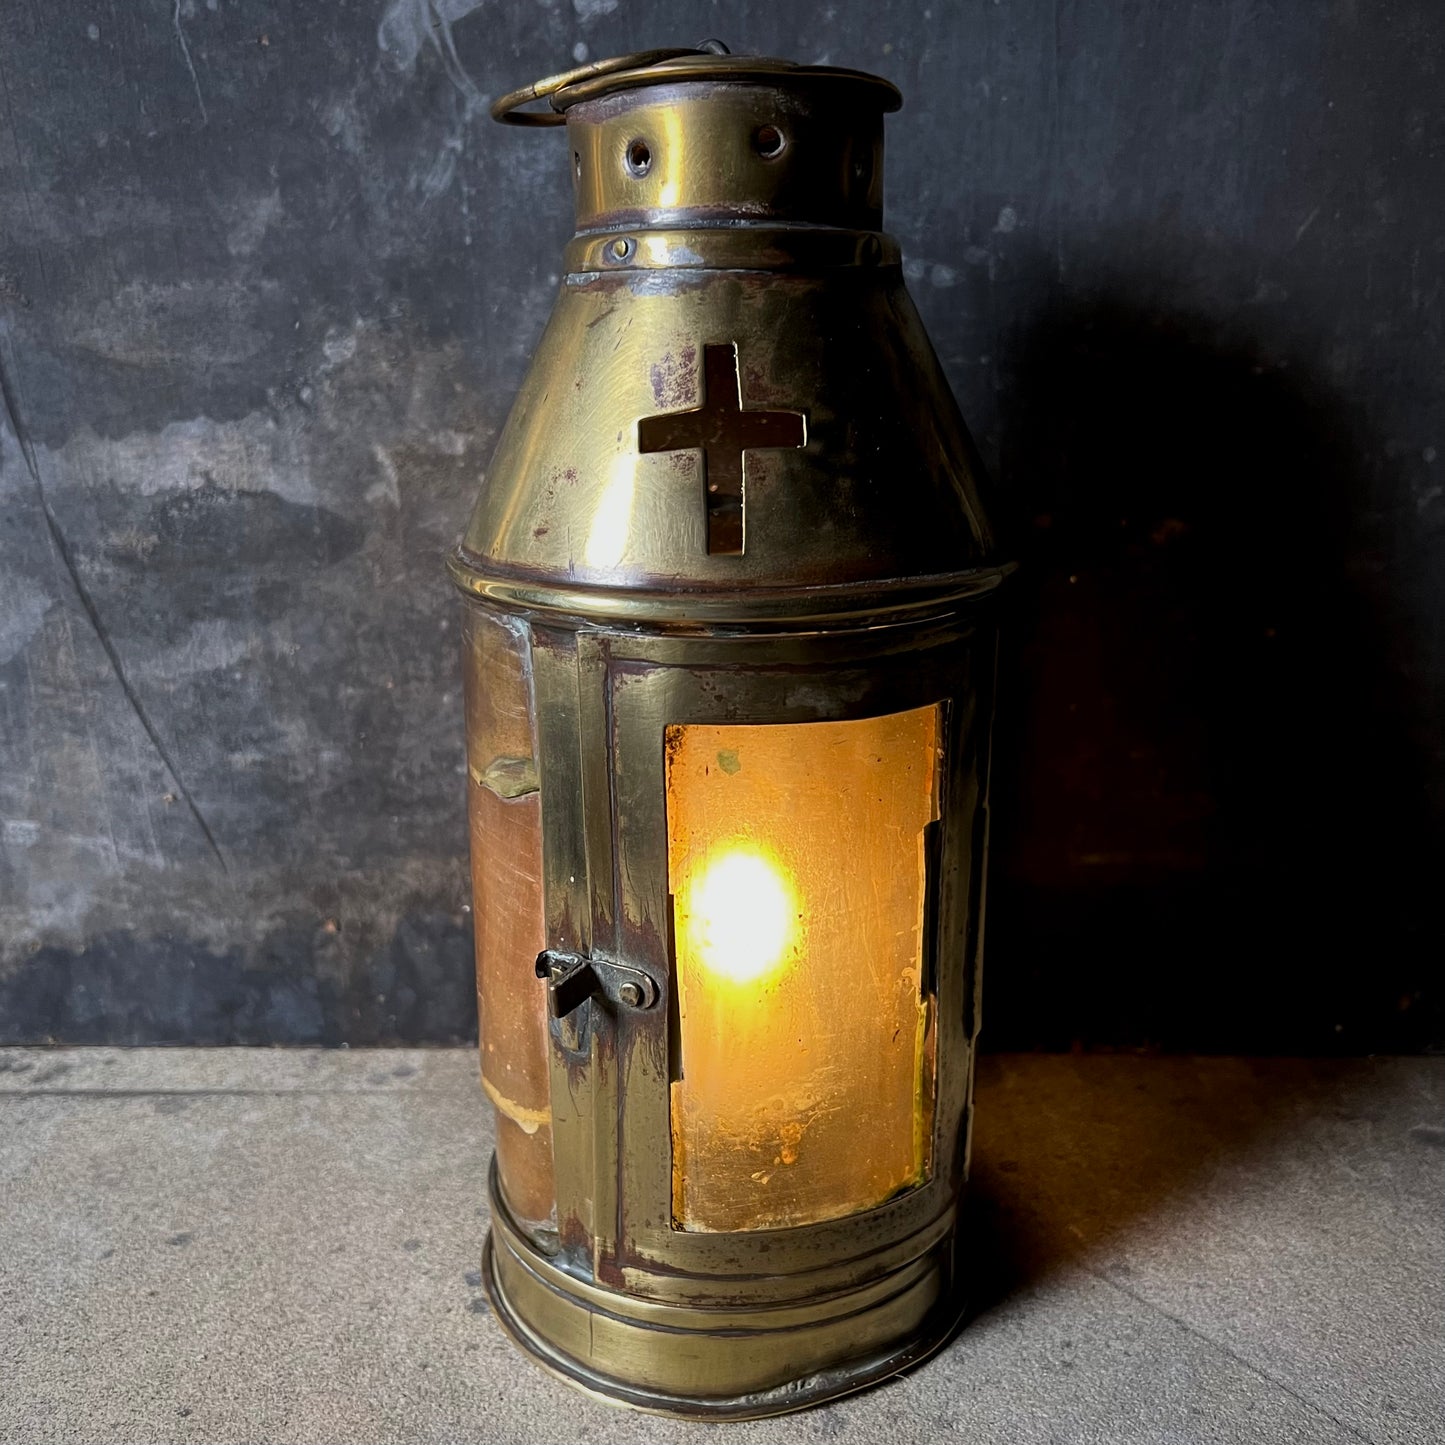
{"points": [[268, 279]]}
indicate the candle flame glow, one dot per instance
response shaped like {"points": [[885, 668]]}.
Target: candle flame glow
{"points": [[740, 910]]}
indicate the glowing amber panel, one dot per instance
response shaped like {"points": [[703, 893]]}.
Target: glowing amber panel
{"points": [[797, 864]]}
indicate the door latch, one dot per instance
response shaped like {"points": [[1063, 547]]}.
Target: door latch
{"points": [[572, 979]]}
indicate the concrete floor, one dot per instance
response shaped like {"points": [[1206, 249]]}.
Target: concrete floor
{"points": [[261, 1246]]}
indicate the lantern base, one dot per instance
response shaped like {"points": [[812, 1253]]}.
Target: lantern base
{"points": [[733, 1364]]}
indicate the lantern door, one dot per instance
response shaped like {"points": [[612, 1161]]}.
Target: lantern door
{"points": [[789, 850]]}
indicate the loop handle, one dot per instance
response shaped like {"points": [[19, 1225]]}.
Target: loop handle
{"points": [[508, 108]]}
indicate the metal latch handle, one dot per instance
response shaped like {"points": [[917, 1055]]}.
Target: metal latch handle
{"points": [[572, 979]]}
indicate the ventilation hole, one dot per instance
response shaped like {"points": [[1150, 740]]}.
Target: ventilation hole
{"points": [[639, 158], [862, 170], [768, 141], [577, 164]]}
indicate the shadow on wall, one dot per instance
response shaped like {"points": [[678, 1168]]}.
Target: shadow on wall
{"points": [[1210, 823]]}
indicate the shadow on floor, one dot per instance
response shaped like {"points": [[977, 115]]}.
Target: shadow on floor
{"points": [[1080, 1152]]}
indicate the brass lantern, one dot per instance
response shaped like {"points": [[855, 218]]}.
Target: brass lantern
{"points": [[729, 648]]}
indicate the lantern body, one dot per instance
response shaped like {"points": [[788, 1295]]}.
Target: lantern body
{"points": [[729, 652]]}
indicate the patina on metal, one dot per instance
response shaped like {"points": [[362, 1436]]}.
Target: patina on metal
{"points": [[723, 430], [734, 488]]}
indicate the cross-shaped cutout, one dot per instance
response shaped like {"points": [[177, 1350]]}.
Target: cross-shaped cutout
{"points": [[723, 429]]}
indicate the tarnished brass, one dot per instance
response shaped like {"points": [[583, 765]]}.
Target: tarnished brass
{"points": [[734, 489], [573, 980], [723, 430]]}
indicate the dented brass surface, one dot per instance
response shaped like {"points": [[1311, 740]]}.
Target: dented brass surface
{"points": [[813, 547]]}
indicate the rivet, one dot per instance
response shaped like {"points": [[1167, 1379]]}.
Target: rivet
{"points": [[631, 994], [620, 249]]}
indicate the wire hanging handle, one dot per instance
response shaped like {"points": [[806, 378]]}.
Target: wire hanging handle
{"points": [[508, 108]]}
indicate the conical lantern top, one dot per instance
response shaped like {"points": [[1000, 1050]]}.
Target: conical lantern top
{"points": [[735, 413]]}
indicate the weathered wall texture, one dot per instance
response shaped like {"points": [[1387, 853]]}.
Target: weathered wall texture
{"points": [[268, 279]]}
